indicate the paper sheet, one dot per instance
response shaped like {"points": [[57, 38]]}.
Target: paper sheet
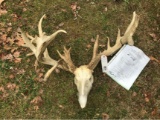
{"points": [[126, 65]]}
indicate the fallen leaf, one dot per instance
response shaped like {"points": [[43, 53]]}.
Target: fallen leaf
{"points": [[153, 35], [7, 57], [2, 89], [93, 40], [36, 107], [16, 54], [3, 37], [28, 60], [6, 47], [147, 99], [5, 95], [105, 116], [2, 12], [143, 112], [40, 75], [57, 70], [19, 39], [154, 59], [154, 112], [74, 6], [11, 76], [88, 46], [21, 71], [10, 40], [17, 60], [134, 94], [14, 17], [11, 86], [24, 9], [37, 100], [75, 9], [40, 92]]}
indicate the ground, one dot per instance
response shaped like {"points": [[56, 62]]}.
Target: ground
{"points": [[24, 95]]}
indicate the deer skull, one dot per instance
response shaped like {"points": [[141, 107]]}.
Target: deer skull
{"points": [[83, 74], [83, 80]]}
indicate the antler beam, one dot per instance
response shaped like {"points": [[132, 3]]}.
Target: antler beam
{"points": [[38, 46], [126, 38]]}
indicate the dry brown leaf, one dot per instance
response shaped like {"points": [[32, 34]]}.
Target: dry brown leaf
{"points": [[19, 39], [24, 9], [154, 59], [153, 35], [2, 89], [5, 95], [21, 71], [147, 99], [10, 40], [37, 100], [134, 94], [11, 86], [7, 57], [2, 12], [28, 60], [93, 40], [16, 54], [88, 46], [57, 70], [11, 76], [40, 92], [3, 37], [143, 112], [105, 116], [9, 28], [40, 75], [74, 6], [36, 107], [154, 112], [14, 49], [6, 47], [75, 9], [17, 60]]}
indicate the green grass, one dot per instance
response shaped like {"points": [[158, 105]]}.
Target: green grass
{"points": [[59, 96]]}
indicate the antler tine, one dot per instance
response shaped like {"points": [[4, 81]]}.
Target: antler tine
{"points": [[95, 49], [94, 61], [127, 38], [67, 59], [27, 42], [40, 26], [46, 76]]}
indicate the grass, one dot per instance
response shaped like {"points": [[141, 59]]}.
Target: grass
{"points": [[59, 94]]}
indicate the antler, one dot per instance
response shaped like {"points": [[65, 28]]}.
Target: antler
{"points": [[126, 38], [38, 46], [67, 59]]}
